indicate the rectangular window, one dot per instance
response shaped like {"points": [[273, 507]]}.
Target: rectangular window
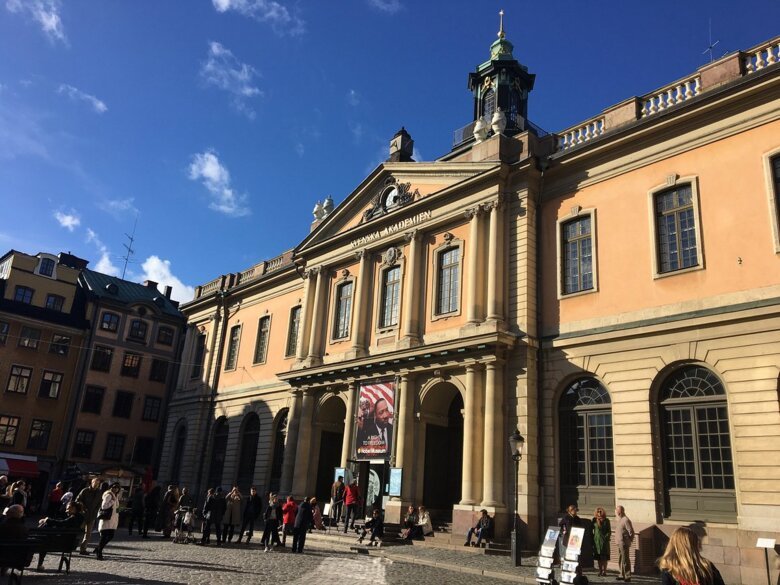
{"points": [[55, 302], [391, 288], [232, 354], [131, 365], [449, 281], [343, 311], [40, 431], [292, 334], [152, 406], [261, 345], [93, 399], [123, 404], [109, 322], [23, 294], [774, 164], [9, 426], [60, 345], [82, 446], [30, 338], [165, 336], [50, 385], [46, 267], [4, 327], [137, 330], [19, 380], [144, 448], [115, 447], [676, 229], [101, 358], [159, 371], [577, 253], [200, 356]]}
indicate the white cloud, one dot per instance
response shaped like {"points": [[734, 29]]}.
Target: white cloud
{"points": [[119, 208], [222, 70], [207, 168], [45, 12], [389, 6], [69, 221], [281, 19], [76, 94], [353, 97], [104, 264], [159, 270], [299, 149], [357, 131]]}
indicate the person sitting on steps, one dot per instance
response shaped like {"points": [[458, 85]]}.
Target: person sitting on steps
{"points": [[377, 527], [483, 529]]}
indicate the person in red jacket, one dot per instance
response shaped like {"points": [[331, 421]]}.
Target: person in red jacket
{"points": [[352, 500], [289, 511]]}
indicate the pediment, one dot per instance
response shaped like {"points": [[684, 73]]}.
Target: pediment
{"points": [[386, 193]]}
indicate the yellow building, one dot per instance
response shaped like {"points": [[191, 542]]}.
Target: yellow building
{"points": [[611, 291]]}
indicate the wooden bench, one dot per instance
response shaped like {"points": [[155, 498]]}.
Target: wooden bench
{"points": [[62, 542], [15, 557]]}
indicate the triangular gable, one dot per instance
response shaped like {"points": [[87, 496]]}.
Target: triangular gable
{"points": [[386, 191]]}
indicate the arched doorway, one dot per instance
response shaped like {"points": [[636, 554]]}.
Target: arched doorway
{"points": [[280, 438], [248, 453], [442, 413], [330, 424], [218, 449]]}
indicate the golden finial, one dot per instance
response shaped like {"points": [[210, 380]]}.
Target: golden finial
{"points": [[501, 34]]}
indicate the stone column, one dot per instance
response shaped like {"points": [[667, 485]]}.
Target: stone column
{"points": [[291, 446], [304, 327], [411, 306], [473, 313], [349, 426], [300, 482], [472, 437], [318, 317], [494, 432], [404, 445], [359, 337], [495, 272]]}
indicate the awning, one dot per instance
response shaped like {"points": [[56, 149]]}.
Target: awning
{"points": [[19, 467]]}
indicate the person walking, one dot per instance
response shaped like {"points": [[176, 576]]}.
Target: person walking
{"points": [[272, 517], [303, 521], [109, 518], [602, 535], [624, 536], [90, 499], [352, 500], [169, 505], [682, 563], [213, 512], [252, 511], [336, 500], [289, 512], [232, 514], [151, 509], [137, 512]]}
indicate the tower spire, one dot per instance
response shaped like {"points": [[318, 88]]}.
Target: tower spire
{"points": [[501, 34]]}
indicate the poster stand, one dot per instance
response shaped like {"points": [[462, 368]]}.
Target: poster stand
{"points": [[571, 559], [544, 563]]}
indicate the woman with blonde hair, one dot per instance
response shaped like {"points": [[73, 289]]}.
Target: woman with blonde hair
{"points": [[682, 563], [602, 533]]}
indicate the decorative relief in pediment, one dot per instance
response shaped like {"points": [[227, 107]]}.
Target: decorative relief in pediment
{"points": [[390, 196]]}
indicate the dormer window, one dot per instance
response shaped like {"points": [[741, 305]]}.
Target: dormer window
{"points": [[46, 267]]}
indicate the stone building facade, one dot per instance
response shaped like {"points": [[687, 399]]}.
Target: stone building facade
{"points": [[611, 291]]}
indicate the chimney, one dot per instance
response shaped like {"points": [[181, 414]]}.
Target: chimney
{"points": [[401, 147], [168, 291], [150, 284]]}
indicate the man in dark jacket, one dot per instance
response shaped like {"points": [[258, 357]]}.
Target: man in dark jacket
{"points": [[90, 498], [254, 506], [12, 527], [377, 527], [137, 511], [303, 521], [74, 520], [272, 517], [213, 511]]}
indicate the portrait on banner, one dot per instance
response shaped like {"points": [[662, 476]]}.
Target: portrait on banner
{"points": [[375, 417]]}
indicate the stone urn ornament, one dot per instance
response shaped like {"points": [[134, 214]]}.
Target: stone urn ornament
{"points": [[499, 122], [480, 130]]}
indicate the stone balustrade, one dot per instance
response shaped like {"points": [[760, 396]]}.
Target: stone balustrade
{"points": [[581, 133], [762, 56], [229, 281], [671, 95]]}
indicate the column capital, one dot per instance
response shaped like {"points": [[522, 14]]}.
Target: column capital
{"points": [[489, 206], [415, 234], [473, 212], [360, 254]]}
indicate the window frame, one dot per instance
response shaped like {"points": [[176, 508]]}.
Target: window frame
{"points": [[265, 319], [138, 331], [114, 441], [5, 427], [145, 446], [19, 377], [437, 255], [44, 423], [155, 366], [168, 331], [773, 194], [381, 327], [337, 336], [151, 409], [39, 269], [76, 443], [20, 288], [58, 347], [59, 382], [198, 361], [576, 213], [5, 329], [123, 398], [91, 392], [104, 350], [58, 302], [674, 182], [113, 321], [131, 371], [293, 332], [234, 345], [28, 341]]}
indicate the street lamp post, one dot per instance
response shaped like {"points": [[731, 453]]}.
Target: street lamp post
{"points": [[516, 442]]}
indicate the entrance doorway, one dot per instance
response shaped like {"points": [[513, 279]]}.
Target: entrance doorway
{"points": [[443, 452], [330, 422]]}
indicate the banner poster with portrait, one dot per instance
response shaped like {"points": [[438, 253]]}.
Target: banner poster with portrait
{"points": [[375, 419]]}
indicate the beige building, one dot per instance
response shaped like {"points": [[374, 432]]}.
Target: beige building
{"points": [[611, 291]]}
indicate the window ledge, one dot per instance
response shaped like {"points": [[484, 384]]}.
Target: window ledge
{"points": [[579, 293], [696, 268]]}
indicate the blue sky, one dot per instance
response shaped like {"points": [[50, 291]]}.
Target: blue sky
{"points": [[220, 123]]}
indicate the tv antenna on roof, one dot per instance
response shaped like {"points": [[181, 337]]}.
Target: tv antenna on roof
{"points": [[712, 45], [129, 248]]}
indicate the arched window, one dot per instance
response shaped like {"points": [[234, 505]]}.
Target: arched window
{"points": [[699, 469], [587, 456], [248, 453], [280, 437], [488, 105], [218, 448], [179, 440]]}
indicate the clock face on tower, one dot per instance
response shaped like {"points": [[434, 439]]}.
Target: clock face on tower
{"points": [[391, 198]]}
